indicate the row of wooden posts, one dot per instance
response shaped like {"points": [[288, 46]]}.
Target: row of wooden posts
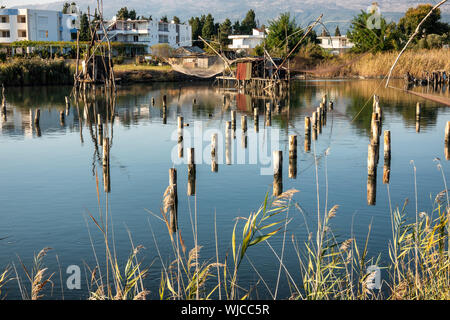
{"points": [[374, 151], [314, 124]]}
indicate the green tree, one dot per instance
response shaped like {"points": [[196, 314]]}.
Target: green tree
{"points": [[337, 32], [196, 26], [176, 20], [369, 36], [248, 23], [122, 14], [164, 19], [237, 27], [132, 14], [432, 25], [85, 34], [66, 7], [208, 28], [279, 29], [225, 29]]}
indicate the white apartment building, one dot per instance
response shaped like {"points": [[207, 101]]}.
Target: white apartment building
{"points": [[36, 25], [149, 33], [335, 44], [247, 41]]}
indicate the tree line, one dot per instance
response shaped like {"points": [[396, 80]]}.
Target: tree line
{"points": [[369, 34]]}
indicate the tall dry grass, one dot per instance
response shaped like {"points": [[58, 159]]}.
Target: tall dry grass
{"points": [[374, 65]]}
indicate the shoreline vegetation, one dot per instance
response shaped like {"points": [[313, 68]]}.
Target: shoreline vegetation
{"points": [[37, 71]]}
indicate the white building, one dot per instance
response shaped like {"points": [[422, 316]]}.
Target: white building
{"points": [[149, 32], [335, 44], [247, 41], [36, 25]]}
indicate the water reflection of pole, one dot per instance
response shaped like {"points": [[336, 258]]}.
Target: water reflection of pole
{"points": [[418, 107], [164, 110], [180, 137], [233, 122], [214, 165], [37, 117], [293, 156], [307, 134], [106, 166], [447, 141], [387, 157], [256, 119], [228, 142], [173, 210], [244, 131], [67, 105], [62, 118], [191, 172], [277, 172], [268, 115]]}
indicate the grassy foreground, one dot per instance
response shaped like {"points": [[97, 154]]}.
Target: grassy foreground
{"points": [[418, 266]]}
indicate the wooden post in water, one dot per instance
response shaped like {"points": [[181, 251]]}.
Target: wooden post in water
{"points": [[173, 209], [106, 167], [277, 172], [293, 156], [180, 137], [418, 109], [371, 174], [387, 157], [256, 119], [319, 119], [314, 125], [214, 156], [330, 105], [447, 141], [153, 101], [191, 172], [228, 142], [307, 144]]}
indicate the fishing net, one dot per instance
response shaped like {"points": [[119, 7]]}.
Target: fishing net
{"points": [[202, 66]]}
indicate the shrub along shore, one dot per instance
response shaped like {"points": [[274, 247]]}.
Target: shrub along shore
{"points": [[36, 71]]}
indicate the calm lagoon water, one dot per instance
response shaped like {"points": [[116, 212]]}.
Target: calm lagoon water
{"points": [[48, 184]]}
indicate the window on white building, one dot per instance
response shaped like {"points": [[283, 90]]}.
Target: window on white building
{"points": [[4, 34], [42, 21], [43, 34], [163, 27], [4, 19], [21, 19], [22, 33], [163, 38]]}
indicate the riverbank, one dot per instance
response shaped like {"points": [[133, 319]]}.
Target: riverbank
{"points": [[31, 72], [141, 74]]}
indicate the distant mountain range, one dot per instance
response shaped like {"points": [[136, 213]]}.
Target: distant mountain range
{"points": [[305, 11]]}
